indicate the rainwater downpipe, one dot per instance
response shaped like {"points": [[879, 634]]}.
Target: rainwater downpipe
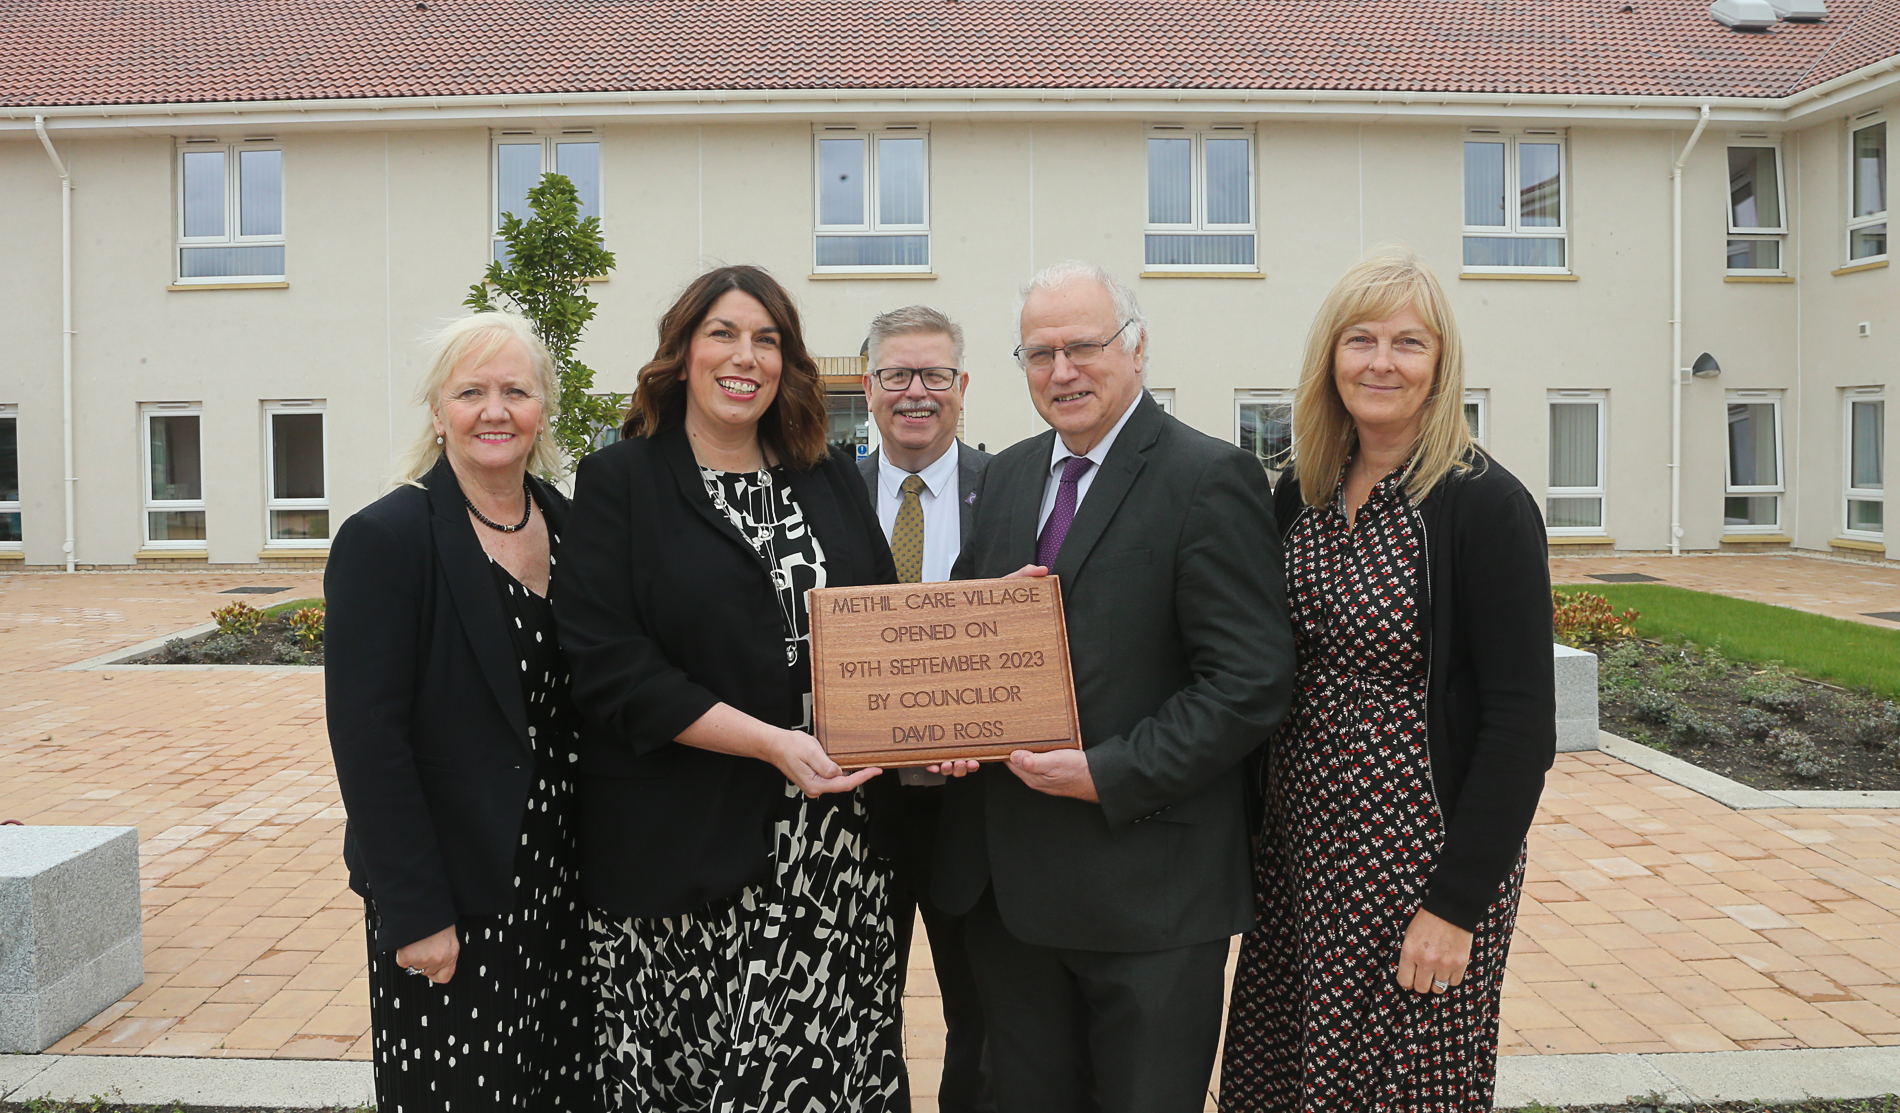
{"points": [[1675, 344], [66, 330]]}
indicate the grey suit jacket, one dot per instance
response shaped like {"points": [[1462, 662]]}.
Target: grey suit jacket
{"points": [[1173, 592], [970, 466]]}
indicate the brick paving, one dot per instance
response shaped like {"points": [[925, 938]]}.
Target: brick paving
{"points": [[1654, 918], [1838, 588]]}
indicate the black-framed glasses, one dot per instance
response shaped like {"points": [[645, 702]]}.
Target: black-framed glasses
{"points": [[1081, 353], [898, 378]]}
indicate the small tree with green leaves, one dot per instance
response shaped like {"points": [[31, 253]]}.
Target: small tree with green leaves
{"points": [[550, 256]]}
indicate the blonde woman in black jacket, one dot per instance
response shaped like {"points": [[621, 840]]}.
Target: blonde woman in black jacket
{"points": [[1398, 794]]}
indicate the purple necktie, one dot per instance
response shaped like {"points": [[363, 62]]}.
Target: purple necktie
{"points": [[1060, 518]]}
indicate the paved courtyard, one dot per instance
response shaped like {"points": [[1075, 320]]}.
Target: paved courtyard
{"points": [[1655, 919]]}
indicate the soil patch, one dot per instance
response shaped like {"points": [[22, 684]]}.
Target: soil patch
{"points": [[1760, 725], [274, 643]]}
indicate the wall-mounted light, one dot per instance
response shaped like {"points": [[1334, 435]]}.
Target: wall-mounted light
{"points": [[1705, 367]]}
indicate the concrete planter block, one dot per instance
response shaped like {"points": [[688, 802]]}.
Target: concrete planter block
{"points": [[1576, 698], [70, 942]]}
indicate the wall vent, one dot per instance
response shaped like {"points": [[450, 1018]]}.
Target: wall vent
{"points": [[1744, 15]]}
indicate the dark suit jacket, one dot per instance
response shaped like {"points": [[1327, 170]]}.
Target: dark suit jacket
{"points": [[906, 815], [970, 465], [664, 611], [1172, 588], [427, 722]]}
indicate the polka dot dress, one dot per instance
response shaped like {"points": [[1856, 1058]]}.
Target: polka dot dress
{"points": [[782, 997], [514, 1028], [1350, 839]]}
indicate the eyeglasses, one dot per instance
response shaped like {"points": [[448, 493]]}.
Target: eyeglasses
{"points": [[898, 378], [1081, 353]]}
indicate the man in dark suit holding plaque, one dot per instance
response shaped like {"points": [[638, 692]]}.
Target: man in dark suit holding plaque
{"points": [[922, 480], [1101, 886]]}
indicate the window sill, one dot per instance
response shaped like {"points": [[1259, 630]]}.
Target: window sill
{"points": [[1779, 278], [304, 552], [875, 276], [1514, 276], [180, 287], [1201, 274], [162, 556], [1585, 541], [12, 554], [1757, 539], [595, 280], [1856, 268], [1858, 545]]}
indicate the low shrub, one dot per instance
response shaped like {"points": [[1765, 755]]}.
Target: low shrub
{"points": [[1756, 723], [1879, 728], [1583, 618], [308, 625], [219, 648], [1797, 753], [238, 618], [1693, 729], [288, 653], [1652, 706], [1776, 691]]}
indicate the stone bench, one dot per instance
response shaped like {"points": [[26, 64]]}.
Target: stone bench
{"points": [[70, 941], [1576, 698]]}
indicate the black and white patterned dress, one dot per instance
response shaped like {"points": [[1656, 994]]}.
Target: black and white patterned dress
{"points": [[1351, 836], [782, 997], [514, 1028]]}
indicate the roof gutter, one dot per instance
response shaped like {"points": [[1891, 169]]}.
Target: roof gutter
{"points": [[1120, 101], [65, 330]]}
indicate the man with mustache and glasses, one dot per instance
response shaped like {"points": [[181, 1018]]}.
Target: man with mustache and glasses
{"points": [[1100, 886], [923, 481]]}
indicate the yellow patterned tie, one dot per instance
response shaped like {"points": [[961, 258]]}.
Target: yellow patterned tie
{"points": [[907, 536]]}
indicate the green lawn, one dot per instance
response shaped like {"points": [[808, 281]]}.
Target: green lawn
{"points": [[1850, 654], [276, 610]]}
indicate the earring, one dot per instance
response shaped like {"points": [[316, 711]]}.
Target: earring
{"points": [[438, 438]]}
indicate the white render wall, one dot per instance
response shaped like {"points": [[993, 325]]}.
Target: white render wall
{"points": [[387, 229]]}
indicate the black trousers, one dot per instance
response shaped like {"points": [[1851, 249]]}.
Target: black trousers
{"points": [[1096, 1031], [965, 1086]]}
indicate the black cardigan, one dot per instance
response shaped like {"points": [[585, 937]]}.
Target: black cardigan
{"points": [[664, 611], [427, 722], [1491, 703]]}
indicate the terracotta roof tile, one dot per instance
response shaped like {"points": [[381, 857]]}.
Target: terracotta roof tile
{"points": [[66, 52]]}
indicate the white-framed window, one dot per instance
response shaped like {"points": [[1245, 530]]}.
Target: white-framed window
{"points": [[174, 476], [872, 187], [1516, 204], [1757, 209], [230, 211], [1574, 491], [297, 503], [522, 157], [1752, 501], [1867, 189], [1200, 199], [1263, 425], [1866, 464], [1164, 397], [10, 537], [1477, 413]]}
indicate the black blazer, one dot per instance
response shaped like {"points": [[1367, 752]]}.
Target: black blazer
{"points": [[1183, 660], [664, 611], [1491, 704], [427, 723]]}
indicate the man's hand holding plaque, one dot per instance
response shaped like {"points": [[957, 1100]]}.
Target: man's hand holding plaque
{"points": [[939, 674]]}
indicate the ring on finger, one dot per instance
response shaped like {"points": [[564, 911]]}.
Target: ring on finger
{"points": [[1440, 986]]}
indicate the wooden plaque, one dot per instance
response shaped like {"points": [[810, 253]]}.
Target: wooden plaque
{"points": [[910, 674]]}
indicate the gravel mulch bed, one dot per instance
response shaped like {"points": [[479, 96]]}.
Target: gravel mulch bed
{"points": [[1764, 727]]}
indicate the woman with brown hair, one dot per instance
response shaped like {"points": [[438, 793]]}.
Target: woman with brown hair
{"points": [[741, 931], [1398, 793]]}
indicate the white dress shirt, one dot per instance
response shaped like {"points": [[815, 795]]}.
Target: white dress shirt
{"points": [[1060, 455], [943, 525]]}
